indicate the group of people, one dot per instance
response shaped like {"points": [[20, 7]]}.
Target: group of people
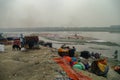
{"points": [[30, 42], [66, 51], [98, 65]]}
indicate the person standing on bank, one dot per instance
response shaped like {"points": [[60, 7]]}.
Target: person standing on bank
{"points": [[115, 54]]}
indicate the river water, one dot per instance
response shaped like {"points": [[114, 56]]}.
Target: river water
{"points": [[106, 36], [105, 50]]}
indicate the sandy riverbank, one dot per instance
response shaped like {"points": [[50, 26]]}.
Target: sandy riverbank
{"points": [[37, 65], [30, 65]]}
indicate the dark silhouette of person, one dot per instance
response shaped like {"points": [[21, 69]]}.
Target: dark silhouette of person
{"points": [[72, 52], [116, 54]]}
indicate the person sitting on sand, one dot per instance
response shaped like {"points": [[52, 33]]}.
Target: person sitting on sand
{"points": [[62, 51], [85, 54], [72, 52], [115, 54], [85, 62], [100, 67], [16, 44], [97, 56]]}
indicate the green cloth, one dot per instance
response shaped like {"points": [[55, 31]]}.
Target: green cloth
{"points": [[79, 66]]}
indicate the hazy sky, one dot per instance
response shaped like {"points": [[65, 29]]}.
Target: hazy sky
{"points": [[53, 13]]}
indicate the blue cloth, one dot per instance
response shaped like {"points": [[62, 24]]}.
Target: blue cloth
{"points": [[74, 59]]}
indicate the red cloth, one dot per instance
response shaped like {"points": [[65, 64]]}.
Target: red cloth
{"points": [[16, 42], [70, 72], [68, 59]]}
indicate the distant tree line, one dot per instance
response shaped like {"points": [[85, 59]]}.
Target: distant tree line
{"points": [[42, 29]]}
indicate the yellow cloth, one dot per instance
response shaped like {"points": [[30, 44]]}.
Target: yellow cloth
{"points": [[101, 66], [62, 50]]}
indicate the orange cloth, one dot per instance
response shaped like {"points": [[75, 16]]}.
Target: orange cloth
{"points": [[67, 58], [70, 72], [62, 50]]}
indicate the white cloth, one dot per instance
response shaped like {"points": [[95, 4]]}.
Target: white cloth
{"points": [[2, 48], [23, 49]]}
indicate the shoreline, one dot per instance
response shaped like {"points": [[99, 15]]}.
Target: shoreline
{"points": [[105, 48], [107, 43]]}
